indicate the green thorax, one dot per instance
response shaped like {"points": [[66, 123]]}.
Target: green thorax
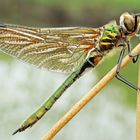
{"points": [[110, 38]]}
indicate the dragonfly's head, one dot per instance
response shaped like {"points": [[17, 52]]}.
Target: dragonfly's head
{"points": [[129, 23]]}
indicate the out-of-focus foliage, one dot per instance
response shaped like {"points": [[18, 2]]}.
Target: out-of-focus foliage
{"points": [[60, 13], [54, 13]]}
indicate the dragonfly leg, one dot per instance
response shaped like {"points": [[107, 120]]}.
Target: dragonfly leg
{"points": [[91, 54], [118, 76], [135, 57]]}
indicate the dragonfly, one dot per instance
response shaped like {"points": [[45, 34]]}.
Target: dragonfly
{"points": [[70, 50]]}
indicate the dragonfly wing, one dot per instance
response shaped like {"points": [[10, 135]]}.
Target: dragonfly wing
{"points": [[60, 49]]}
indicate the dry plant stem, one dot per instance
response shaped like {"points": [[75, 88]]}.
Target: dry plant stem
{"points": [[93, 92], [138, 110]]}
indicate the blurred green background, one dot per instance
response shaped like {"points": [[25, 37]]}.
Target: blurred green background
{"points": [[110, 116]]}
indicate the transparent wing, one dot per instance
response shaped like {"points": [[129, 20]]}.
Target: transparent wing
{"points": [[60, 49]]}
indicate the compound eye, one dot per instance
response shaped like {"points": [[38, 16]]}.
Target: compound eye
{"points": [[127, 21]]}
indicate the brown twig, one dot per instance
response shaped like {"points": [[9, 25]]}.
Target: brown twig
{"points": [[93, 92], [138, 110]]}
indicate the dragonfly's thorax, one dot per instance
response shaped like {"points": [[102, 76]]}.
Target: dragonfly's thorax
{"points": [[113, 35], [110, 37]]}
